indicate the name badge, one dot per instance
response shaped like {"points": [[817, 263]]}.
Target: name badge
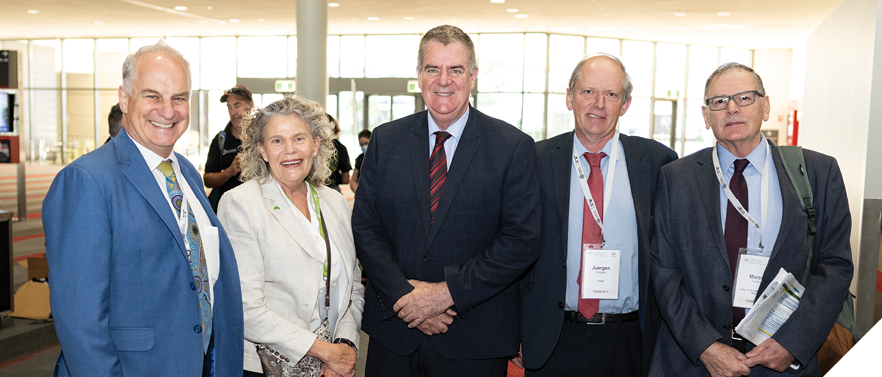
{"points": [[749, 275], [600, 271]]}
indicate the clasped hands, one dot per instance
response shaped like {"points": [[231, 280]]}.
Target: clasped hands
{"points": [[725, 361], [426, 308]]}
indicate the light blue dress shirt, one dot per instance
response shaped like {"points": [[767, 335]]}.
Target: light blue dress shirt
{"points": [[753, 175], [455, 131], [620, 230]]}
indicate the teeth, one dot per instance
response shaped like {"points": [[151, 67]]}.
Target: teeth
{"points": [[594, 116], [443, 94], [292, 162], [160, 125]]}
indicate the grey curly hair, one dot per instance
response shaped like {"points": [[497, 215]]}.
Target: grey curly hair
{"points": [[253, 134]]}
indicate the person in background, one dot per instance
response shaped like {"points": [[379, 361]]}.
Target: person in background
{"points": [[114, 122], [222, 168], [279, 222], [339, 164], [363, 138]]}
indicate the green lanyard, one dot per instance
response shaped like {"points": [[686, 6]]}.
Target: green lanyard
{"points": [[318, 212]]}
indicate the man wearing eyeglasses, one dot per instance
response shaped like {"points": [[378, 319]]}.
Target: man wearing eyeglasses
{"points": [[734, 198], [222, 166]]}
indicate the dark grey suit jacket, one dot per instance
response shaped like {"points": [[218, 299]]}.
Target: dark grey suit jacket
{"points": [[544, 288], [690, 266], [484, 236]]}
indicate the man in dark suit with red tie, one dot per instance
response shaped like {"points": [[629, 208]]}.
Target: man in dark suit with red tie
{"points": [[446, 219], [597, 190]]}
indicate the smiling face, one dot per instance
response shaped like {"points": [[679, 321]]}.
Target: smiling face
{"points": [[289, 148], [157, 111], [445, 81], [597, 101], [736, 128]]}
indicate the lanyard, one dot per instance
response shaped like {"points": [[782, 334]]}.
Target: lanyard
{"points": [[316, 205], [764, 192], [607, 186]]}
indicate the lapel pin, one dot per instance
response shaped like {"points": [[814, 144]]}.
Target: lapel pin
{"points": [[276, 208]]}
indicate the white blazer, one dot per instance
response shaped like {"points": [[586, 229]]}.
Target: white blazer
{"points": [[280, 270]]}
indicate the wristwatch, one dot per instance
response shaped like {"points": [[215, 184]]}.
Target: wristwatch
{"points": [[347, 342]]}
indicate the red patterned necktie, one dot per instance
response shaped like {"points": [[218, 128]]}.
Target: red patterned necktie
{"points": [[437, 169], [591, 233], [736, 225]]}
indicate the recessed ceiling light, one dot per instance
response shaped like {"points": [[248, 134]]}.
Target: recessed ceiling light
{"points": [[722, 13], [235, 20], [497, 1], [180, 7], [520, 16], [209, 7], [512, 10], [99, 23], [373, 18], [408, 18], [333, 5], [32, 11], [678, 14]]}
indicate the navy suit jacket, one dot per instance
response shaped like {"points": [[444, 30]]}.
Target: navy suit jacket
{"points": [[544, 288], [690, 265], [484, 236], [122, 288]]}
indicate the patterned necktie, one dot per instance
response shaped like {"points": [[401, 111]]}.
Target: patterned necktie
{"points": [[736, 225], [437, 169], [197, 254], [591, 233]]}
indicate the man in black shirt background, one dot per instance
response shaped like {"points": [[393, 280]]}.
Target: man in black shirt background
{"points": [[222, 167]]}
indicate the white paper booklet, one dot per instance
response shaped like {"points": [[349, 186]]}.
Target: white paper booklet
{"points": [[772, 308]]}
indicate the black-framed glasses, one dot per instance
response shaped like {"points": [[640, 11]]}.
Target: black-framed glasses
{"points": [[741, 99]]}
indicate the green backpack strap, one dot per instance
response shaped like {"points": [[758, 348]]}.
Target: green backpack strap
{"points": [[794, 164]]}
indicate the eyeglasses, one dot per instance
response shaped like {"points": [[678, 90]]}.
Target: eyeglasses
{"points": [[741, 99]]}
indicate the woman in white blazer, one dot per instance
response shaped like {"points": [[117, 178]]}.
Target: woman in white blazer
{"points": [[273, 223]]}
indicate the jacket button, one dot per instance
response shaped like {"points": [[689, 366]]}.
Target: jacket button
{"points": [[426, 259], [565, 264], [197, 329], [727, 327], [192, 285], [726, 288], [560, 305]]}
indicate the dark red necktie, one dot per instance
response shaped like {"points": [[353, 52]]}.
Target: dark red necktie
{"points": [[437, 169], [591, 233], [736, 226]]}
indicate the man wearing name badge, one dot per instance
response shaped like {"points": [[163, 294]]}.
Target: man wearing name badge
{"points": [[143, 278], [562, 334], [446, 219], [701, 232]]}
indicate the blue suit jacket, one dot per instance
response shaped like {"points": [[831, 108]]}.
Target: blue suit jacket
{"points": [[544, 288], [690, 265], [120, 279], [484, 236]]}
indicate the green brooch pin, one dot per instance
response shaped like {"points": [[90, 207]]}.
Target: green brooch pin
{"points": [[276, 207]]}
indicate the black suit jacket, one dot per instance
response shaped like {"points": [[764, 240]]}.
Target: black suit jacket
{"points": [[544, 288], [690, 265], [484, 236]]}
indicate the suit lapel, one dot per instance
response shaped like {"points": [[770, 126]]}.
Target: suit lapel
{"points": [[641, 192], [710, 197], [135, 168], [419, 158], [462, 159], [561, 158], [281, 210]]}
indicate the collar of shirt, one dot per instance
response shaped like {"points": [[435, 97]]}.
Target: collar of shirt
{"points": [[455, 131], [757, 158], [607, 148], [154, 159]]}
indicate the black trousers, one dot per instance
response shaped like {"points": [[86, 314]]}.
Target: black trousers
{"points": [[427, 362], [610, 350]]}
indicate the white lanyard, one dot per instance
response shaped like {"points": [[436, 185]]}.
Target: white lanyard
{"points": [[764, 192], [607, 186]]}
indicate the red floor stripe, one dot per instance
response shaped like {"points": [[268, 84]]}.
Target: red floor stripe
{"points": [[37, 215], [41, 196], [879, 280], [30, 236], [31, 356], [29, 176], [23, 257]]}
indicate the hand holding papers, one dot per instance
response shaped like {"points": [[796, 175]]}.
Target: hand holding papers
{"points": [[772, 308]]}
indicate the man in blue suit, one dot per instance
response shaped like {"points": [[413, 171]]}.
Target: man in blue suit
{"points": [[446, 219], [143, 278]]}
